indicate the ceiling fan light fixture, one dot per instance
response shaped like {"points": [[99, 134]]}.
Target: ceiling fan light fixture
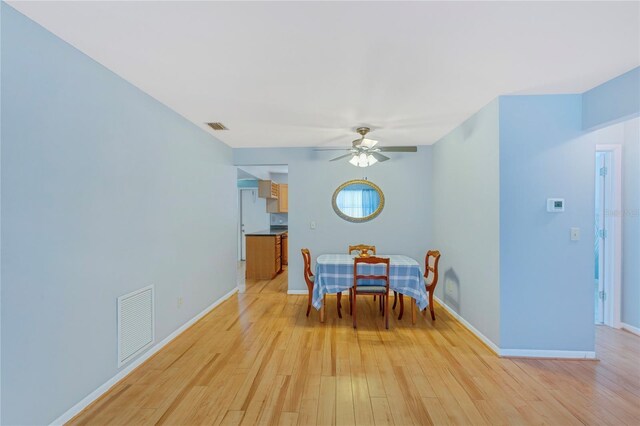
{"points": [[366, 152], [363, 160]]}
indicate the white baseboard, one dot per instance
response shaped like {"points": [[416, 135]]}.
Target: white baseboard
{"points": [[537, 353], [471, 328], [517, 353], [630, 328], [73, 411]]}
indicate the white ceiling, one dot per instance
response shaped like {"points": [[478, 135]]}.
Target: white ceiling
{"points": [[306, 73]]}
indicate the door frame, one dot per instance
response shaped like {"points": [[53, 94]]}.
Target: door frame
{"points": [[239, 226], [240, 239], [613, 302]]}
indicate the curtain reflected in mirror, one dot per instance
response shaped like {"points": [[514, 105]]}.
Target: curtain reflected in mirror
{"points": [[358, 201]]}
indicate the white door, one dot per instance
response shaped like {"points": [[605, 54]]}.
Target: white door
{"points": [[607, 236], [602, 228], [253, 216]]}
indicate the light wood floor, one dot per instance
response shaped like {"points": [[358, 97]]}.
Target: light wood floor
{"points": [[257, 359]]}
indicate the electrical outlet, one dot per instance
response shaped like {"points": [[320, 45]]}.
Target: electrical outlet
{"points": [[449, 288], [180, 302], [312, 225]]}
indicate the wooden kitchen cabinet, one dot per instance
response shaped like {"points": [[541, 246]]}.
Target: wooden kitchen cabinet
{"points": [[268, 189], [281, 204], [285, 249], [264, 256]]}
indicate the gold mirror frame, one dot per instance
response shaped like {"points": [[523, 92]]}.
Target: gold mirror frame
{"points": [[357, 219]]}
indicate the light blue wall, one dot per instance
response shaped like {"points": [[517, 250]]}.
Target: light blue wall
{"points": [[104, 190], [404, 226], [546, 298], [247, 183], [466, 220], [615, 100]]}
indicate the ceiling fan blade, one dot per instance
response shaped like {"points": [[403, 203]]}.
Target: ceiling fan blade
{"points": [[399, 149], [332, 149], [380, 157], [341, 157]]}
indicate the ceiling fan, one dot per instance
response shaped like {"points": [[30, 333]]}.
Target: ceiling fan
{"points": [[366, 152]]}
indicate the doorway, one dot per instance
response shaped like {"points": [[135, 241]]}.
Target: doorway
{"points": [[608, 235], [253, 217]]}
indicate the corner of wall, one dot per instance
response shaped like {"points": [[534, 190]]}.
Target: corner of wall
{"points": [[612, 102]]}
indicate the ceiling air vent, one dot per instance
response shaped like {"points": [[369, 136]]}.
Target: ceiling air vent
{"points": [[217, 126]]}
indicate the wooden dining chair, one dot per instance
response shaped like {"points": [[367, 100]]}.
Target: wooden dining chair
{"points": [[378, 290], [431, 261], [430, 281], [362, 248], [310, 279]]}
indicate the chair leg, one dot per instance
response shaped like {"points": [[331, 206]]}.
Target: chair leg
{"points": [[395, 299], [339, 303], [433, 314], [355, 309], [350, 302], [386, 311], [401, 306], [309, 304]]}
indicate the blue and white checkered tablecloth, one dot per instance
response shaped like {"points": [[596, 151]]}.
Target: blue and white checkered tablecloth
{"points": [[334, 273]]}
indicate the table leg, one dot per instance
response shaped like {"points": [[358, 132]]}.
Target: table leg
{"points": [[324, 303], [413, 310], [401, 296]]}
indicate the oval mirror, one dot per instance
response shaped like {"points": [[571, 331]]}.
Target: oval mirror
{"points": [[358, 200]]}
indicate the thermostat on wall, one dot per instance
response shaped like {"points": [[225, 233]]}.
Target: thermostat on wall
{"points": [[555, 205]]}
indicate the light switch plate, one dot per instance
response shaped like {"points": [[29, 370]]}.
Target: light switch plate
{"points": [[312, 225], [575, 234]]}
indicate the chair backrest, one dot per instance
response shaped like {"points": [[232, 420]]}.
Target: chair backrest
{"points": [[370, 261], [431, 261], [306, 255], [362, 248]]}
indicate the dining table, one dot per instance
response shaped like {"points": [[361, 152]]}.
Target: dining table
{"points": [[334, 274]]}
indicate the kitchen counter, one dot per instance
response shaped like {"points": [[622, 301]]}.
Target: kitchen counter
{"points": [[268, 232], [265, 253]]}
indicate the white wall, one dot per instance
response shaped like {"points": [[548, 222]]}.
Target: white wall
{"points": [[616, 101], [403, 227], [104, 191], [627, 134], [466, 220]]}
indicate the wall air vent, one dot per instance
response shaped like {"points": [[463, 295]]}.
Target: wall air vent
{"points": [[217, 126], [135, 323]]}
